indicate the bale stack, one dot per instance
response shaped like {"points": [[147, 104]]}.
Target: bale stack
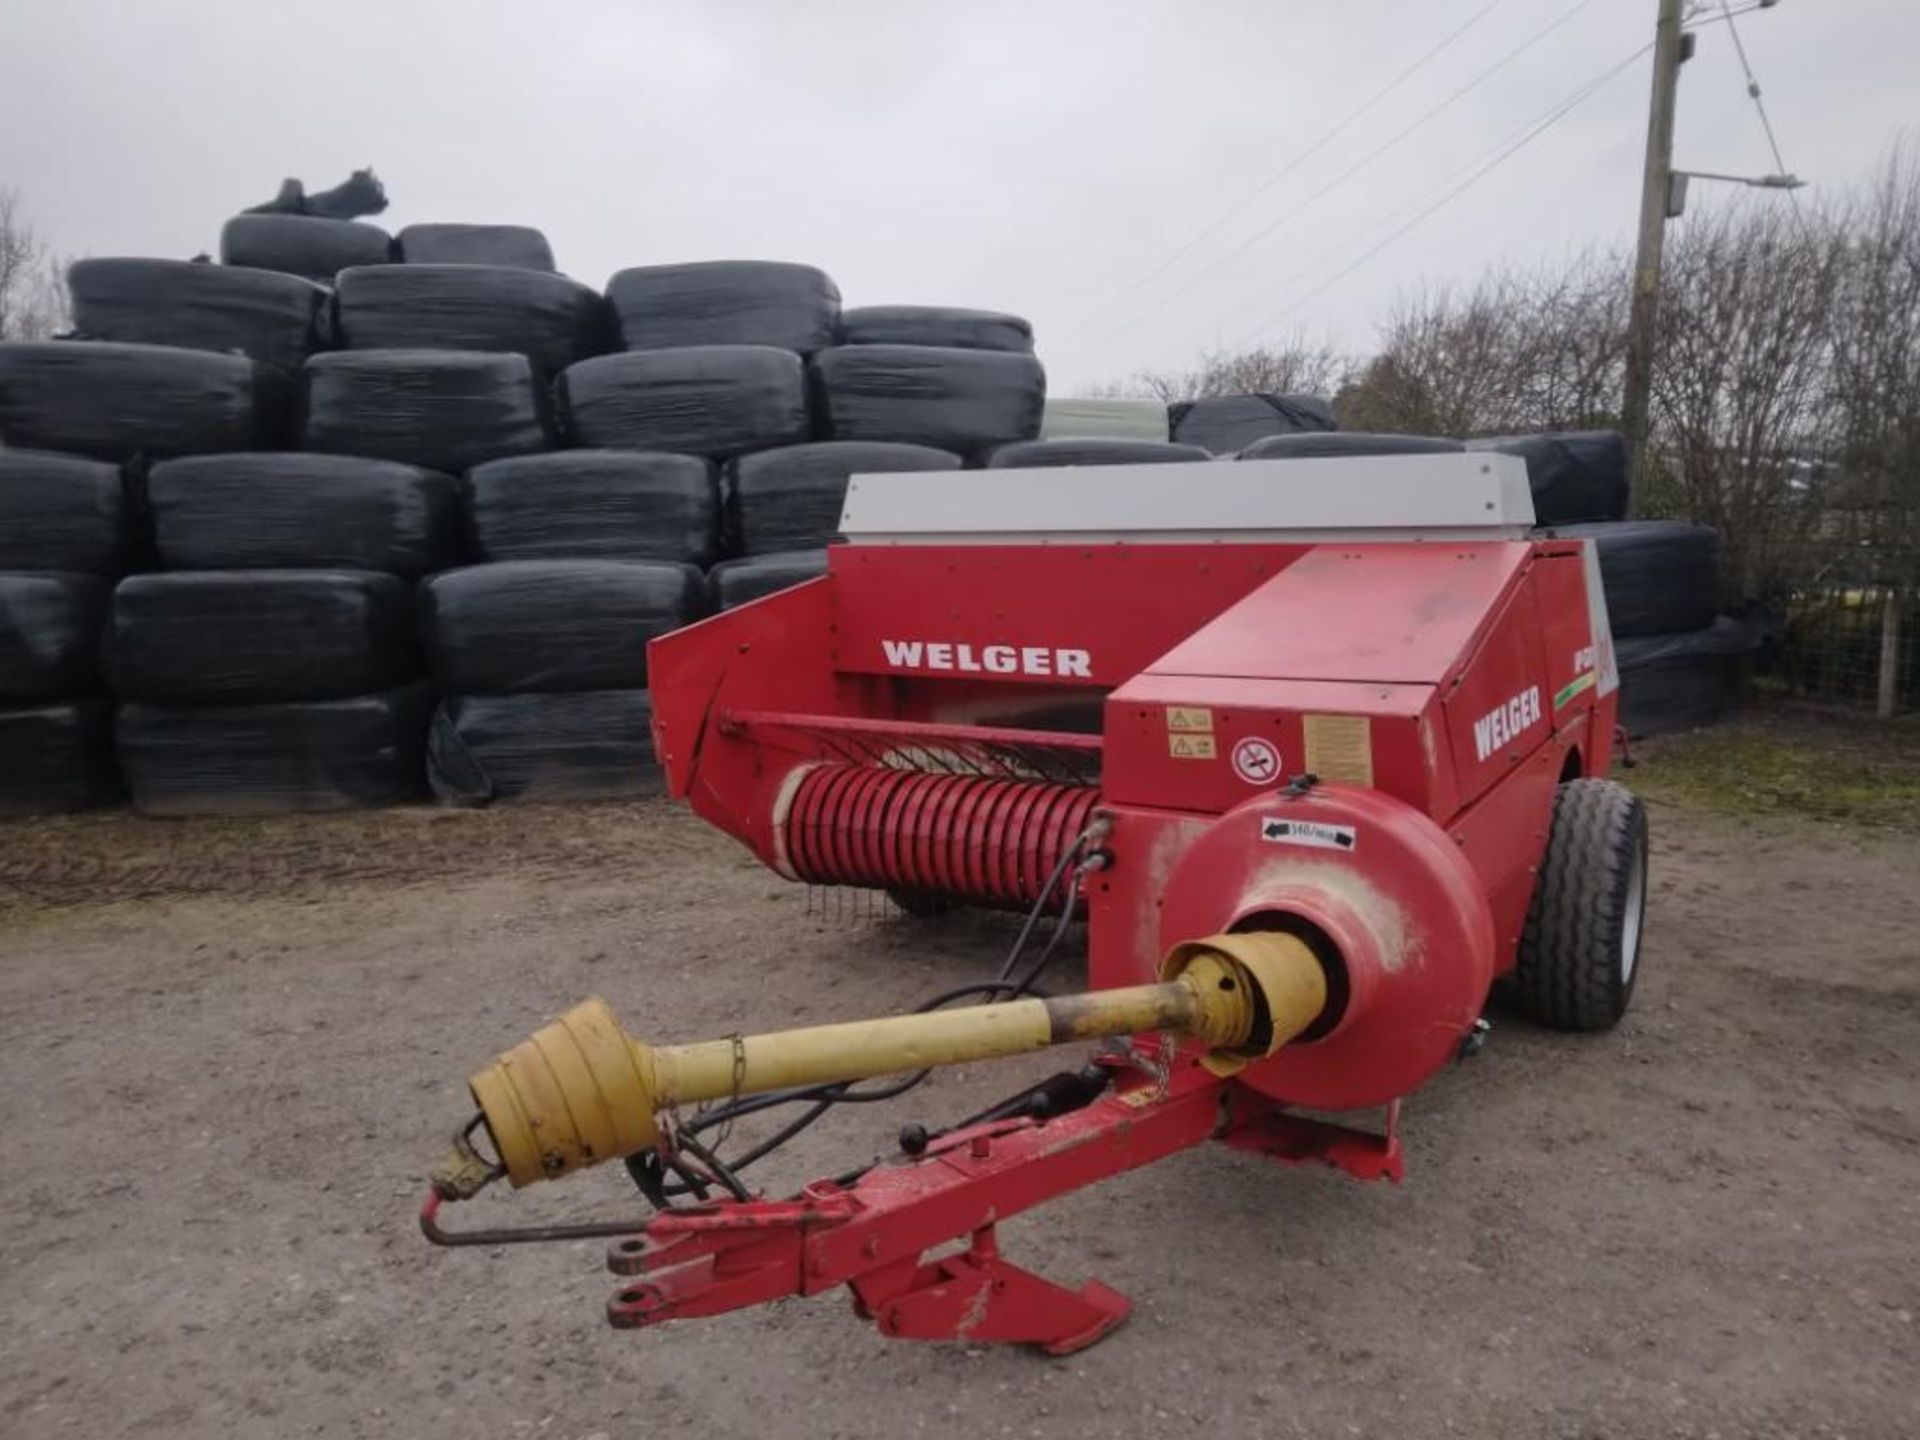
{"points": [[178, 359], [586, 555], [65, 532], [1682, 664]]}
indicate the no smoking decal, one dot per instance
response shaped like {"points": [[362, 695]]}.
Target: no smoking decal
{"points": [[1256, 761]]}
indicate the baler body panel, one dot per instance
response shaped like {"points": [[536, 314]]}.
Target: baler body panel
{"points": [[1054, 615]]}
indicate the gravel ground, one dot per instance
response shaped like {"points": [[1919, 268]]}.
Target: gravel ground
{"points": [[231, 1049]]}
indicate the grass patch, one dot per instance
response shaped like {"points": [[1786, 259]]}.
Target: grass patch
{"points": [[1789, 760]]}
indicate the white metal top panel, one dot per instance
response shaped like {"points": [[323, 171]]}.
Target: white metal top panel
{"points": [[1473, 495]]}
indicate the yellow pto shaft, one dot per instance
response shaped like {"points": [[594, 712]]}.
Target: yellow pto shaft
{"points": [[582, 1090]]}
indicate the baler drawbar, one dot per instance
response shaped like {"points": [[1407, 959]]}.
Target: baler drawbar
{"points": [[1317, 749]]}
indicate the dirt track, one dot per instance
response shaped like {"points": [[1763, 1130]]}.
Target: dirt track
{"points": [[229, 1051]]}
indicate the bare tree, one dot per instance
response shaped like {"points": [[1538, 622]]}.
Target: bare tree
{"points": [[33, 302], [1740, 380], [1518, 351], [1874, 381], [1294, 367]]}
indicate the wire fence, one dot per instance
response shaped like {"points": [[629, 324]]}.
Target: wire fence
{"points": [[1845, 614]]}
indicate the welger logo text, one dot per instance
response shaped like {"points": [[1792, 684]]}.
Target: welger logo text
{"points": [[1495, 730], [988, 659]]}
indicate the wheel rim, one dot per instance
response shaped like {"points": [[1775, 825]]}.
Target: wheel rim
{"points": [[1636, 910]]}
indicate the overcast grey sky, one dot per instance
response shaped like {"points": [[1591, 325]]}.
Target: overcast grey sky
{"points": [[1041, 156]]}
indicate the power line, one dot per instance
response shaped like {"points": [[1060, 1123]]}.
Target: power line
{"points": [[1213, 226], [1345, 175], [1539, 127], [1753, 90]]}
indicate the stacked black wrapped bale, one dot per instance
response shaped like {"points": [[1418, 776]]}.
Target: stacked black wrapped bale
{"points": [[1346, 445], [712, 400], [968, 401], [305, 245], [65, 531], [545, 665], [259, 690], [291, 510], [791, 498], [736, 582], [1052, 454], [273, 318], [519, 246], [783, 506], [1227, 424], [1681, 665], [551, 320], [1576, 475], [118, 402], [941, 325], [595, 505], [725, 302], [446, 410]]}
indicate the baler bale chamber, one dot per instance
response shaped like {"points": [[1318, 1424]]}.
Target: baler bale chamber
{"points": [[1316, 746]]}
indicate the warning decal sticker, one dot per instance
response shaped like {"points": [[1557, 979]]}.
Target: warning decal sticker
{"points": [[1310, 833], [1182, 746]]}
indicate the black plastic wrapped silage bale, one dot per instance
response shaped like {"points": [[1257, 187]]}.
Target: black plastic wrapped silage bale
{"points": [[1225, 424], [115, 401], [716, 400], [50, 626], [595, 505], [550, 319], [1575, 475], [310, 756], [288, 509], [725, 302], [63, 512], [1048, 454], [58, 757], [966, 401], [735, 582], [791, 498], [271, 317], [244, 636], [1683, 681], [520, 246], [942, 325], [305, 245], [590, 745], [446, 410], [1661, 577], [552, 625], [1346, 444]]}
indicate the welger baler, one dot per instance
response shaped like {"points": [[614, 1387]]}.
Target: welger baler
{"points": [[1316, 748]]}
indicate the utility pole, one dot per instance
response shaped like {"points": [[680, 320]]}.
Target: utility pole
{"points": [[1656, 193]]}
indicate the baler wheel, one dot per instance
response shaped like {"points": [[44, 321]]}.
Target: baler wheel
{"points": [[1579, 955]]}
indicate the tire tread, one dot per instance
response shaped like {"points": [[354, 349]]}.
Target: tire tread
{"points": [[1567, 975]]}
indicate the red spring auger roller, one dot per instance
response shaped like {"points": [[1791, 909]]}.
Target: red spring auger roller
{"points": [[977, 839]]}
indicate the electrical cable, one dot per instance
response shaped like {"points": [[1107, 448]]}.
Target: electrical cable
{"points": [[1753, 90], [1213, 226], [650, 1171], [1345, 175], [1452, 191]]}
